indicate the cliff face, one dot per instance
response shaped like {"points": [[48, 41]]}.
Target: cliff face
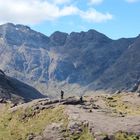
{"points": [[86, 59]]}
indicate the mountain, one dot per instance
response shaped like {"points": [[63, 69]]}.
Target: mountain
{"points": [[16, 91], [74, 62], [124, 73]]}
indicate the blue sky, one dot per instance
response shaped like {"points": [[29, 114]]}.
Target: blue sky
{"points": [[115, 18]]}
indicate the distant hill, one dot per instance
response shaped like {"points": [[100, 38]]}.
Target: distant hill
{"points": [[16, 91], [73, 62]]}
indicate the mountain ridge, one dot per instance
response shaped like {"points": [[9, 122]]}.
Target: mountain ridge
{"points": [[72, 62]]}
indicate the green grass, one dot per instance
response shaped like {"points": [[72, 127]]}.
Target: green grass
{"points": [[116, 103], [20, 124], [12, 127], [125, 136], [86, 135]]}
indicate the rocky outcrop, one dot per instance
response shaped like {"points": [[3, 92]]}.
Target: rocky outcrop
{"points": [[55, 120]]}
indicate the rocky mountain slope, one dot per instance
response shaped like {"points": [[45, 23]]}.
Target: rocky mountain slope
{"points": [[124, 73], [73, 62], [16, 91]]}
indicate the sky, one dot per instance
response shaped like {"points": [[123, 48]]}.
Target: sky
{"points": [[115, 18]]}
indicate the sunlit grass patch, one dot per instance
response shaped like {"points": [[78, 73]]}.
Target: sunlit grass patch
{"points": [[14, 127], [125, 136], [116, 103]]}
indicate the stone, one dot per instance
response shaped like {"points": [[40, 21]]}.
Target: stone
{"points": [[101, 137], [31, 136], [118, 92]]}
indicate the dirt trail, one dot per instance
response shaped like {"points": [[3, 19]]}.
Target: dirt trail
{"points": [[101, 121]]}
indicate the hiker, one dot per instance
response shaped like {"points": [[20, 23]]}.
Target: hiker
{"points": [[81, 99], [62, 94]]}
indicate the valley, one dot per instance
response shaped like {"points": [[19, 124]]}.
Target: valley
{"points": [[99, 77], [75, 62]]}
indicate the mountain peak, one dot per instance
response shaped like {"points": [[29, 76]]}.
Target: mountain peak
{"points": [[15, 25], [59, 38], [90, 35], [8, 24], [17, 34]]}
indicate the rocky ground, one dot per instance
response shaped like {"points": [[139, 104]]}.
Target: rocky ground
{"points": [[98, 117]]}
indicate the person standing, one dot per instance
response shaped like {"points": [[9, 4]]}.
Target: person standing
{"points": [[62, 94], [81, 99]]}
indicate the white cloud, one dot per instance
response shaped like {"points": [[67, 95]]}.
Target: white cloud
{"points": [[32, 11], [132, 1], [94, 2], [60, 1], [36, 11], [94, 16]]}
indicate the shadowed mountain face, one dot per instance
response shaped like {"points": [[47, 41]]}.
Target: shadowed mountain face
{"points": [[125, 72], [16, 91], [88, 60]]}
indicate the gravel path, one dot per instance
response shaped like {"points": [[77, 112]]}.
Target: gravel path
{"points": [[100, 122]]}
